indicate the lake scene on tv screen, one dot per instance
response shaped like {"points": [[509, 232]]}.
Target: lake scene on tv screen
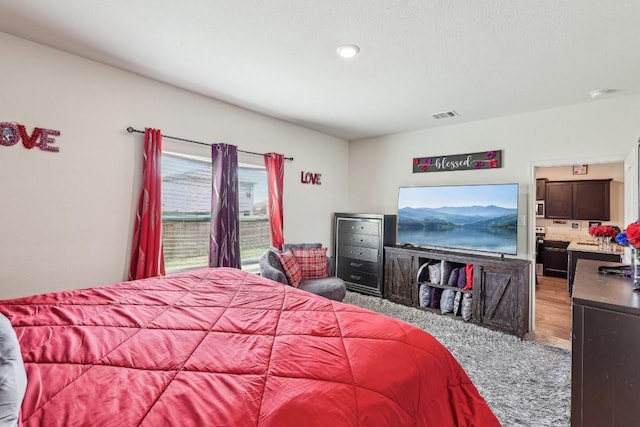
{"points": [[474, 217]]}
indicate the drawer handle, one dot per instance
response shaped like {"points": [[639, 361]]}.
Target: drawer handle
{"points": [[354, 277], [355, 264]]}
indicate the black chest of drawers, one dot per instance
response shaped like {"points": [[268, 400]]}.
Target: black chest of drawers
{"points": [[359, 241]]}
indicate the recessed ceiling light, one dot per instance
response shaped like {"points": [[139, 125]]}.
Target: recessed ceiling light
{"points": [[598, 92], [348, 50]]}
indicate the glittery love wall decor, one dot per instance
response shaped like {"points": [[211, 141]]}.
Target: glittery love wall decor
{"points": [[459, 162], [11, 133]]}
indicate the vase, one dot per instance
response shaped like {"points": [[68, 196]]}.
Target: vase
{"points": [[635, 268], [606, 243]]}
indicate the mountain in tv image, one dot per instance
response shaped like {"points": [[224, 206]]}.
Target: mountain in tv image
{"points": [[448, 217]]}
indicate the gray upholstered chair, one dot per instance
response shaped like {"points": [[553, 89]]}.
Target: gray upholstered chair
{"points": [[329, 287]]}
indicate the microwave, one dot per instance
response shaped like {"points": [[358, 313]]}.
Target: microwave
{"points": [[539, 208]]}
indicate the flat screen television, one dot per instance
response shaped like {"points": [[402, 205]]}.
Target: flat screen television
{"points": [[467, 217]]}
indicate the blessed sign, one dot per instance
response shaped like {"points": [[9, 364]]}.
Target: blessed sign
{"points": [[459, 162]]}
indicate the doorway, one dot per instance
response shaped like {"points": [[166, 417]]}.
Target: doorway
{"points": [[550, 301]]}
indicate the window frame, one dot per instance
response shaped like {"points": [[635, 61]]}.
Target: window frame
{"points": [[244, 162]]}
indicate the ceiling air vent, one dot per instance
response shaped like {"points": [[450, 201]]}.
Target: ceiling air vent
{"points": [[444, 115]]}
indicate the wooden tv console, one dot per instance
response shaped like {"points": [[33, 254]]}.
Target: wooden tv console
{"points": [[500, 291]]}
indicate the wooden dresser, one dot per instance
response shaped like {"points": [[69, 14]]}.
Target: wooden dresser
{"points": [[584, 251], [605, 370]]}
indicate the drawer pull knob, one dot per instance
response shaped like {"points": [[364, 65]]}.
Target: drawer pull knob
{"points": [[355, 264], [355, 277]]}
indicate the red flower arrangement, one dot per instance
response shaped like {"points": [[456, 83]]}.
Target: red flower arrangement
{"points": [[633, 234], [631, 238], [607, 231]]}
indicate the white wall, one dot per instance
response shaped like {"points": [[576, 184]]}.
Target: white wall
{"points": [[602, 130], [66, 218]]}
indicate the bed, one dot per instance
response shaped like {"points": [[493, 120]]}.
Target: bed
{"points": [[222, 347]]}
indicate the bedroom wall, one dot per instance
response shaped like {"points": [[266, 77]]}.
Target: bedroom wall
{"points": [[66, 218], [605, 130]]}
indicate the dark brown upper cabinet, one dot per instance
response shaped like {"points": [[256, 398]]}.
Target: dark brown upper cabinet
{"points": [[591, 200], [558, 202], [587, 199], [541, 184]]}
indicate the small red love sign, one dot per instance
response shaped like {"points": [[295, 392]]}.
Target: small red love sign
{"points": [[310, 178], [11, 133]]}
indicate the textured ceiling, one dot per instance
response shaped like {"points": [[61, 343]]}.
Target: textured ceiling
{"points": [[481, 58]]}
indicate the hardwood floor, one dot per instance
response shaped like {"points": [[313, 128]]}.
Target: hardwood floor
{"points": [[553, 312]]}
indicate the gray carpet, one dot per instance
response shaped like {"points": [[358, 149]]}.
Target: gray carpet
{"points": [[524, 383]]}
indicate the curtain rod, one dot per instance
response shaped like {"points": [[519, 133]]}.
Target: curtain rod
{"points": [[132, 130]]}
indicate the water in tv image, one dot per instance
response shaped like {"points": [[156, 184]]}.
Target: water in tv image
{"points": [[474, 217]]}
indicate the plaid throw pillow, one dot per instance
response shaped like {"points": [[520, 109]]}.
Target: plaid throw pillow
{"points": [[291, 268], [312, 261]]}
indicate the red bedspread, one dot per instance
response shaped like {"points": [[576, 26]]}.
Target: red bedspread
{"points": [[221, 347]]}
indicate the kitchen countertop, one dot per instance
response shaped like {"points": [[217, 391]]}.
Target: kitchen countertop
{"points": [[582, 244], [593, 247]]}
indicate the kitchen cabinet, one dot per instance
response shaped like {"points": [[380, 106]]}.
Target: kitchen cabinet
{"points": [[591, 199], [500, 294], [541, 186], [586, 199], [558, 201], [555, 258]]}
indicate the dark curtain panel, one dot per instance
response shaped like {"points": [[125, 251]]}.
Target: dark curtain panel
{"points": [[274, 163], [147, 259], [224, 241]]}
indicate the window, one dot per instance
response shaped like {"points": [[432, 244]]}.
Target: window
{"points": [[255, 236], [186, 212]]}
